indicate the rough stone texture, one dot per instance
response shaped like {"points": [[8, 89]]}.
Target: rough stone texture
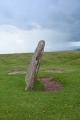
{"points": [[34, 66]]}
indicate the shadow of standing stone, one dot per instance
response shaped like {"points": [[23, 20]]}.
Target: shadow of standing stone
{"points": [[34, 66]]}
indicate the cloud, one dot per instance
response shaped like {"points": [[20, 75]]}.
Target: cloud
{"points": [[76, 44], [24, 22], [61, 15], [15, 40]]}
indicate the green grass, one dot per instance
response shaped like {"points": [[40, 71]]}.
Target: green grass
{"points": [[16, 104]]}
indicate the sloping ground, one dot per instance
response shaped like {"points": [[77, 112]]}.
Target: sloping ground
{"points": [[16, 104]]}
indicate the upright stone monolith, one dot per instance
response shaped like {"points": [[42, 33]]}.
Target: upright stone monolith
{"points": [[34, 66]]}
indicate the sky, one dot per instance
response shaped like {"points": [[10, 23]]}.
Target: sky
{"points": [[23, 23]]}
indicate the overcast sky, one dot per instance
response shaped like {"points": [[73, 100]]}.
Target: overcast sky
{"points": [[24, 22]]}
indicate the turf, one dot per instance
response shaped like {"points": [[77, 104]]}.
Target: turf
{"points": [[16, 104]]}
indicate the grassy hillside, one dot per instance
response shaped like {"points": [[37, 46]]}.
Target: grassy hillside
{"points": [[16, 104]]}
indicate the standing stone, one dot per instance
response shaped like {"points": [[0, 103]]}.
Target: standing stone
{"points": [[34, 66]]}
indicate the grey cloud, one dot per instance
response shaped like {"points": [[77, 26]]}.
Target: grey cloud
{"points": [[59, 15]]}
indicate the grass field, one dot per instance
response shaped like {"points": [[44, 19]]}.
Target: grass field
{"points": [[16, 104]]}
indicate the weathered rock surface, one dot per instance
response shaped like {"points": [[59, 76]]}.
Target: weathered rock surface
{"points": [[34, 66]]}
